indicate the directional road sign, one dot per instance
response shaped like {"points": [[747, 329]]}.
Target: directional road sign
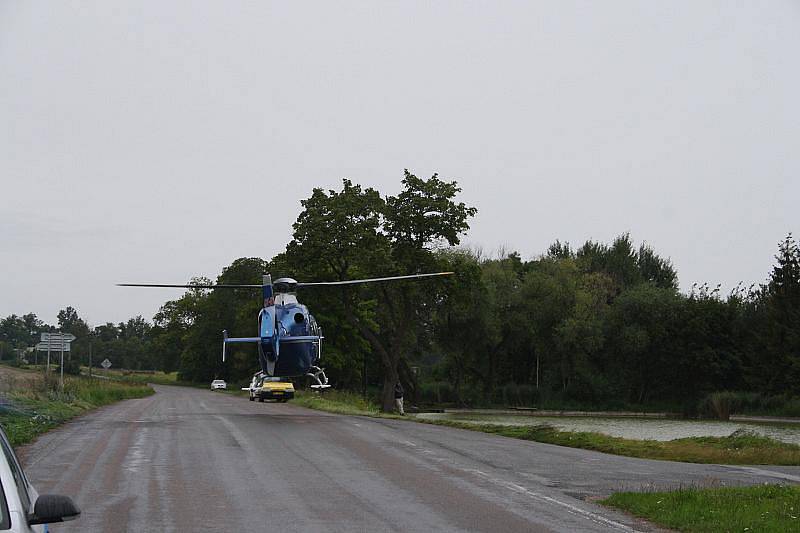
{"points": [[57, 337], [106, 364], [53, 346]]}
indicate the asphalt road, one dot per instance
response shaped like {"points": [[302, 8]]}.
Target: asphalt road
{"points": [[192, 460]]}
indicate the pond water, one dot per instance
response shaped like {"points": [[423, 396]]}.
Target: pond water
{"points": [[630, 428]]}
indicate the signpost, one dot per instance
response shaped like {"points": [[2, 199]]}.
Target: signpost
{"points": [[60, 341], [106, 364], [42, 346], [64, 337]]}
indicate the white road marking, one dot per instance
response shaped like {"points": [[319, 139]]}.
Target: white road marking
{"points": [[549, 499], [594, 517], [768, 473]]}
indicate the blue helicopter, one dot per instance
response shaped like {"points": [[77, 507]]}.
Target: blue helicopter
{"points": [[289, 339]]}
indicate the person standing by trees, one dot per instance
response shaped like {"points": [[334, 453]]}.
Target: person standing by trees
{"points": [[398, 398]]}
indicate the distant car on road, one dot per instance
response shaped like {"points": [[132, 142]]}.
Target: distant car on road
{"points": [[219, 384], [22, 509]]}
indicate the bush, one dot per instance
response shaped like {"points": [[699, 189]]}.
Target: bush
{"points": [[723, 404], [720, 405], [437, 392], [513, 394]]}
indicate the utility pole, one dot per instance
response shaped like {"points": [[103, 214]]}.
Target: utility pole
{"points": [[90, 356]]}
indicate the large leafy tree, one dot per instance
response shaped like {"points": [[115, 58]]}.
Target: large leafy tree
{"points": [[70, 322], [357, 233], [548, 298], [462, 320], [641, 328], [623, 263], [209, 312], [171, 329], [337, 237]]}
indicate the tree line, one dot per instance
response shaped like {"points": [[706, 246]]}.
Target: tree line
{"points": [[602, 324], [130, 344]]}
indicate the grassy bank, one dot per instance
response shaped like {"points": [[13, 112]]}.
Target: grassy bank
{"points": [[132, 376], [770, 508], [737, 449], [335, 401], [741, 448], [38, 405]]}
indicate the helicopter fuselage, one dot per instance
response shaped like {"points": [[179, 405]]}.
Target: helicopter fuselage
{"points": [[293, 347]]}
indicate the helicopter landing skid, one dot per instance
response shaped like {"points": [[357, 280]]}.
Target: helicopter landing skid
{"points": [[318, 375]]}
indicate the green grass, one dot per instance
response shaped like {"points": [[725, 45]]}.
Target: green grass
{"points": [[334, 401], [159, 378], [769, 508], [30, 411], [741, 448]]}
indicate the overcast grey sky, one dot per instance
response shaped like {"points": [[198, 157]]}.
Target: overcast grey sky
{"points": [[155, 141]]}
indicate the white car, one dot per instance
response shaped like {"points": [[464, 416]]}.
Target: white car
{"points": [[219, 384], [21, 507]]}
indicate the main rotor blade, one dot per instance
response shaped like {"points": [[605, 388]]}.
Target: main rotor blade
{"points": [[370, 280], [189, 286]]}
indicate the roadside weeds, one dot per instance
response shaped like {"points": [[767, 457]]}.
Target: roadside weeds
{"points": [[36, 404]]}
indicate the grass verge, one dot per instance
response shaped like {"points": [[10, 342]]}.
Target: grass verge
{"points": [[335, 401], [26, 413], [130, 376], [740, 448], [760, 508]]}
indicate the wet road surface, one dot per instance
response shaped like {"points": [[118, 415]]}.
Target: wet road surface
{"points": [[192, 460]]}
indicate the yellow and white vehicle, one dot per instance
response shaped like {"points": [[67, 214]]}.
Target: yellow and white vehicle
{"points": [[270, 388]]}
